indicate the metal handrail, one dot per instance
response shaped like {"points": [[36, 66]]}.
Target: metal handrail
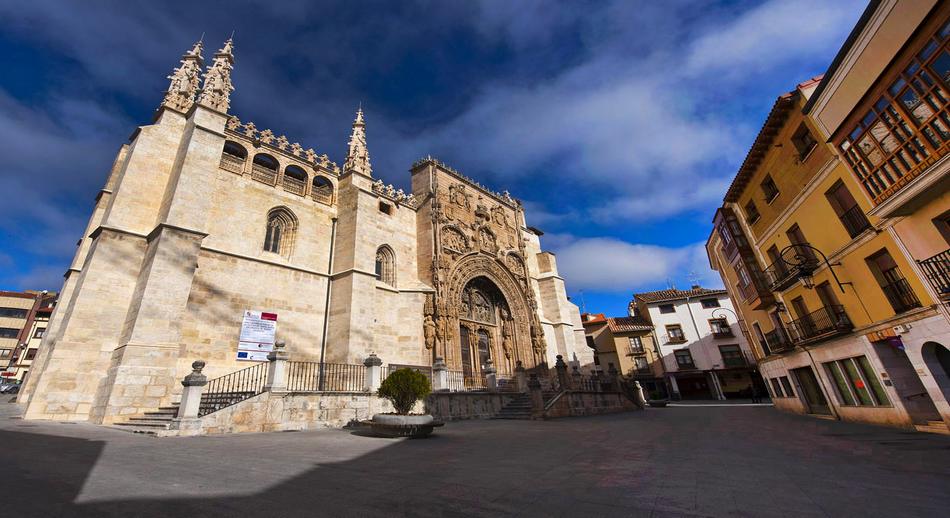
{"points": [[231, 389], [937, 271], [854, 221], [827, 320], [901, 295]]}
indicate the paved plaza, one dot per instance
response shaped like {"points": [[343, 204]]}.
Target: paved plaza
{"points": [[677, 461]]}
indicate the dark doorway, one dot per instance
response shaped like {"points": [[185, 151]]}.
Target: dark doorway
{"points": [[810, 391], [694, 387]]}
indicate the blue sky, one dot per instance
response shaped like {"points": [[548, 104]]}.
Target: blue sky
{"points": [[618, 123]]}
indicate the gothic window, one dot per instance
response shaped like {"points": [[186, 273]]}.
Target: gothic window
{"points": [[386, 265], [279, 236], [322, 189]]}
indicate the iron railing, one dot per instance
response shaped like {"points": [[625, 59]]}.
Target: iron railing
{"points": [[777, 341], [263, 174], [823, 323], [458, 381], [722, 331], [937, 270], [424, 369], [854, 221], [901, 295], [330, 377], [231, 389], [674, 339], [780, 275], [232, 163]]}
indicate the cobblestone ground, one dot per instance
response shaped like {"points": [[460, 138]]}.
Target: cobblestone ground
{"points": [[677, 461]]}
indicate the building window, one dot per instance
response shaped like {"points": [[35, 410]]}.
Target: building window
{"points": [[386, 265], [751, 213], [39, 332], [31, 354], [787, 386], [12, 313], [8, 332], [803, 141], [590, 342], [5, 353], [596, 360], [674, 333], [763, 343], [295, 180], [321, 189], [720, 327], [710, 303], [777, 387], [279, 235], [684, 359], [856, 383], [769, 189], [848, 211], [385, 208], [667, 308], [635, 344], [732, 356], [264, 169], [641, 364], [906, 125], [233, 157], [896, 288]]}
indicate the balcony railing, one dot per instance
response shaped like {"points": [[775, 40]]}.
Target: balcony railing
{"points": [[723, 331], [937, 270], [263, 174], [293, 185], [901, 295], [854, 221], [824, 323], [777, 341], [674, 339], [780, 274], [232, 163]]}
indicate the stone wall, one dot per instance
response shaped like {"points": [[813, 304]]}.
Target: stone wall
{"points": [[455, 406], [575, 403]]}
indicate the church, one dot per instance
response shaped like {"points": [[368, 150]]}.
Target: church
{"points": [[205, 219]]}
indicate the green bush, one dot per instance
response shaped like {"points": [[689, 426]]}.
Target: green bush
{"points": [[403, 388]]}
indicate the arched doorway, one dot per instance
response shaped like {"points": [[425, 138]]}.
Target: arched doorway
{"points": [[484, 326]]}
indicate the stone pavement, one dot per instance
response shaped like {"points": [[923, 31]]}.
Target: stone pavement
{"points": [[675, 461]]}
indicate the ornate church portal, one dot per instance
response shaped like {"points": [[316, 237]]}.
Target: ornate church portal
{"points": [[485, 328]]}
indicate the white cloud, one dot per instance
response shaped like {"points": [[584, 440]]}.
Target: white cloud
{"points": [[611, 265]]}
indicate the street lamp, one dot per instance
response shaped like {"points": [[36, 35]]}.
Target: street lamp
{"points": [[805, 264]]}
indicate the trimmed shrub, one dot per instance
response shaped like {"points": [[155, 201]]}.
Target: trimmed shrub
{"points": [[403, 388]]}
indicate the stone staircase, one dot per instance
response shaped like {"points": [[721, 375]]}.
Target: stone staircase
{"points": [[150, 423], [933, 427], [156, 421], [518, 408]]}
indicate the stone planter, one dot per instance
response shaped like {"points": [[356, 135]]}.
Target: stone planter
{"points": [[394, 425], [658, 403]]}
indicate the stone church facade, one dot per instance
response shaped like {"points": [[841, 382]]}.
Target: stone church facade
{"points": [[204, 217]]}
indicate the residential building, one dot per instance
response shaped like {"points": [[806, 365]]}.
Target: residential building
{"points": [[884, 106], [206, 222], [23, 318], [704, 353], [627, 345], [834, 300]]}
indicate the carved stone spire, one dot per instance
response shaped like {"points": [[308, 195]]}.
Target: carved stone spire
{"points": [[217, 88], [181, 91], [357, 159]]}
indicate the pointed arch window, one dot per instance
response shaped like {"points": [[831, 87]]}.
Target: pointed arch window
{"points": [[386, 265], [279, 235]]}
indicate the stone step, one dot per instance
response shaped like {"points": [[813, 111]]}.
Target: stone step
{"points": [[933, 428], [131, 429], [159, 413], [162, 425], [151, 419]]}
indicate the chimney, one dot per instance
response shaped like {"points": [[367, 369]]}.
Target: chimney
{"points": [[696, 286]]}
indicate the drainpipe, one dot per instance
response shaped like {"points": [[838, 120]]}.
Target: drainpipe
{"points": [[326, 304]]}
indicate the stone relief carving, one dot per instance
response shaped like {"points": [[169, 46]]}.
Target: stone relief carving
{"points": [[453, 239], [428, 326], [486, 241], [458, 196]]}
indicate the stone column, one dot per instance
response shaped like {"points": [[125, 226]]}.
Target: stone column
{"points": [[191, 395], [440, 375], [374, 373], [521, 377], [595, 381], [561, 368], [491, 381], [277, 369], [575, 378], [537, 398]]}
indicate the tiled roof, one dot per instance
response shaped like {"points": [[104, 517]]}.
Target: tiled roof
{"points": [[593, 318], [670, 295], [628, 324]]}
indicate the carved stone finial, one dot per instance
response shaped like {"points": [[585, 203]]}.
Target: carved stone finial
{"points": [[184, 81], [372, 360], [197, 366], [196, 378], [280, 344], [357, 158], [217, 88]]}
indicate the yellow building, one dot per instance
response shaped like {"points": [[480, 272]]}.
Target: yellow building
{"points": [[627, 345], [821, 285]]}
